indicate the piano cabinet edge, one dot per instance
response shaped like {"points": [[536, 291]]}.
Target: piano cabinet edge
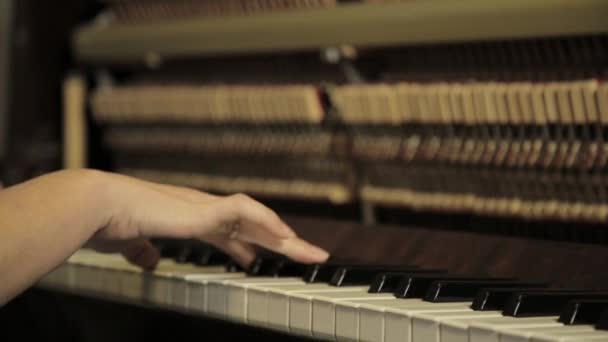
{"points": [[559, 263]]}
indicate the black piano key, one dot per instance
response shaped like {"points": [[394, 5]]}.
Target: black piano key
{"points": [[583, 311], [210, 256], [488, 299], [320, 273], [541, 303], [288, 268], [363, 275], [262, 266], [233, 267], [201, 254], [602, 323], [183, 253], [417, 286], [388, 282], [167, 248], [464, 290]]}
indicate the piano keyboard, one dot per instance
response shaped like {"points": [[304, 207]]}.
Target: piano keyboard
{"points": [[347, 302]]}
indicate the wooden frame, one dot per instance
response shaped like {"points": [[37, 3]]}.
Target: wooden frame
{"points": [[358, 25]]}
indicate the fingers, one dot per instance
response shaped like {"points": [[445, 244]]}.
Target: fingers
{"points": [[142, 253], [259, 225], [292, 247], [241, 252]]}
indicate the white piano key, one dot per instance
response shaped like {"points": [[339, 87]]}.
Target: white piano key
{"points": [[258, 309], [524, 334], [324, 312], [87, 278], [57, 278], [279, 301], [218, 294], [348, 320], [111, 274], [196, 288], [372, 320], [457, 330], [598, 336], [398, 321], [427, 326], [237, 294], [487, 330], [178, 289], [132, 284], [157, 284], [301, 308]]}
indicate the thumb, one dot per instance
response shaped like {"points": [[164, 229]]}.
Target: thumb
{"points": [[142, 253]]}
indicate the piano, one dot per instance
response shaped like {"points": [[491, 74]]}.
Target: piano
{"points": [[450, 155], [432, 298]]}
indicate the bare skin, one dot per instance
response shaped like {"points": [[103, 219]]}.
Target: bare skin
{"points": [[47, 219]]}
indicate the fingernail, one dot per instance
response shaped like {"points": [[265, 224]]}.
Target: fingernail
{"points": [[321, 253]]}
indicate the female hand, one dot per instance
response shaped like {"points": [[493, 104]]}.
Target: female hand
{"points": [[140, 210]]}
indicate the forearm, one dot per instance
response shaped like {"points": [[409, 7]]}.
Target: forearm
{"points": [[43, 221]]}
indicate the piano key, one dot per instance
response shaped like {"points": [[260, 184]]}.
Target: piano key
{"points": [[320, 273], [157, 284], [602, 323], [115, 277], [388, 282], [263, 266], [187, 253], [349, 313], [229, 297], [285, 271], [427, 326], [488, 330], [363, 275], [64, 275], [464, 290], [301, 307], [526, 334], [209, 256], [55, 278], [544, 303], [417, 286], [496, 298], [324, 310], [279, 299], [393, 322], [232, 266], [461, 330], [288, 268], [597, 336], [583, 311], [269, 304], [197, 297], [179, 289]]}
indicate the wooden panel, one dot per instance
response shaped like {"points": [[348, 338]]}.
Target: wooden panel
{"points": [[370, 25], [6, 20], [561, 264]]}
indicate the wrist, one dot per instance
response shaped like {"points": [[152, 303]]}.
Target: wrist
{"points": [[93, 188]]}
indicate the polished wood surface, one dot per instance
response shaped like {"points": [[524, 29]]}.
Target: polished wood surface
{"points": [[560, 264]]}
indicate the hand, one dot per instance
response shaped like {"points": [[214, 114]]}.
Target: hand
{"points": [[140, 210]]}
